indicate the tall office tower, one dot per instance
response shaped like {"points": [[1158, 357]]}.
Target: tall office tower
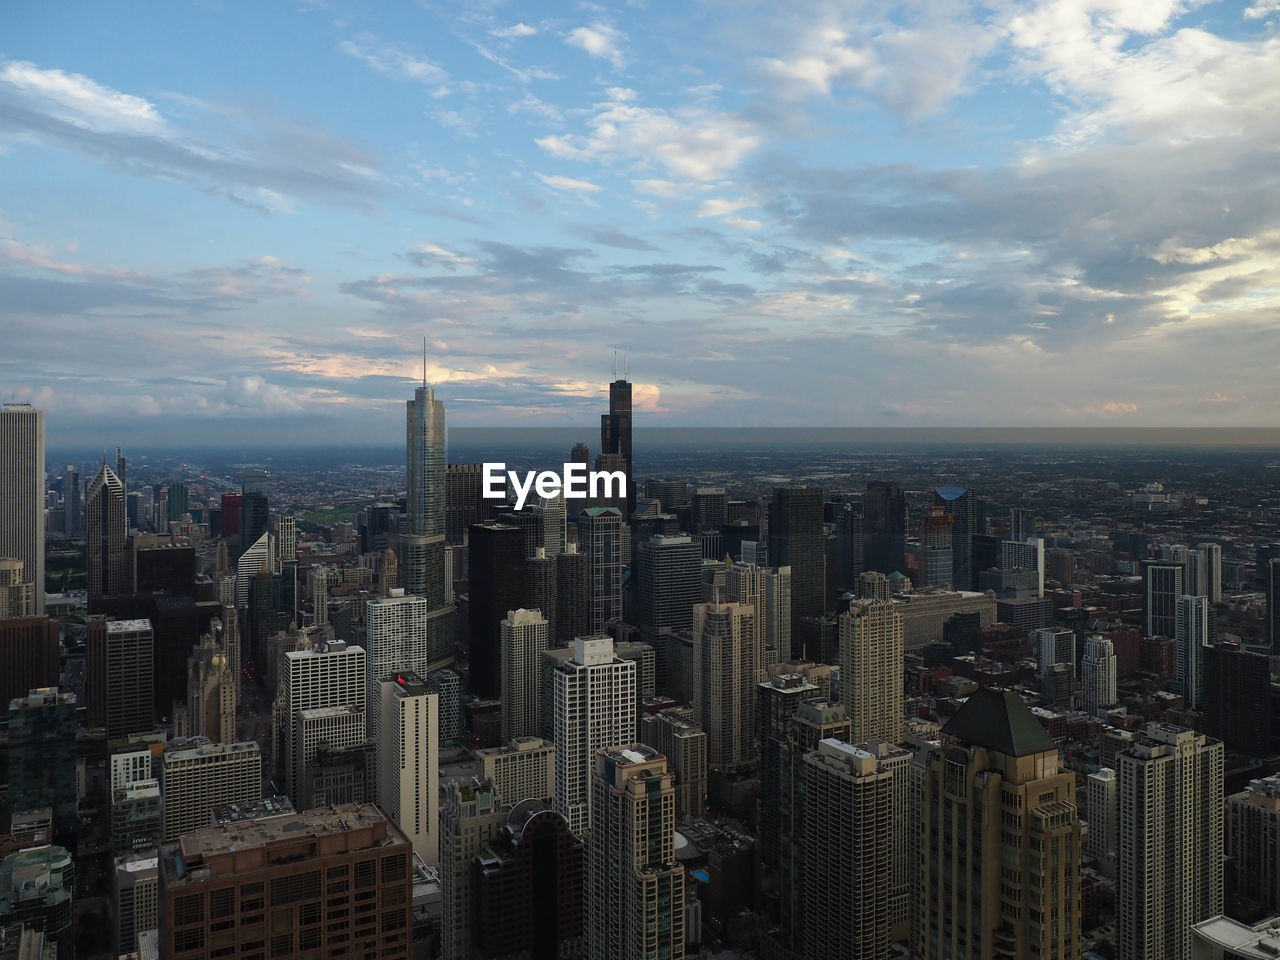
{"points": [[540, 587], [873, 585], [1022, 525], [668, 577], [848, 851], [1000, 836], [282, 880], [38, 892], [884, 527], [1024, 555], [1098, 673], [160, 515], [850, 561], [1191, 630], [196, 776], [409, 761], [42, 754], [1209, 572], [601, 538], [72, 502], [936, 555], [255, 514], [594, 706], [1053, 647], [463, 499], [179, 500], [211, 688], [529, 522], [797, 540], [635, 886], [615, 438], [471, 816], [871, 670], [1169, 841], [29, 650], [777, 616], [776, 701], [710, 509], [675, 734], [1273, 606], [17, 593], [119, 680], [396, 640], [1104, 811], [726, 666], [232, 509], [135, 895], [899, 762], [553, 512], [313, 678], [959, 502], [252, 562], [108, 570], [523, 769], [318, 580], [524, 635], [448, 687], [286, 539], [1253, 844], [1237, 699], [496, 586], [573, 596], [1161, 588]]}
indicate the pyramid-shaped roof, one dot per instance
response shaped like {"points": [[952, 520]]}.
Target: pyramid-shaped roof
{"points": [[999, 721]]}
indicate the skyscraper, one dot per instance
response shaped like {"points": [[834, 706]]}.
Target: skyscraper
{"points": [[601, 535], [1024, 555], [797, 540], [255, 514], [884, 527], [1192, 634], [1272, 587], [1104, 812], [573, 596], [524, 636], [22, 492], [409, 761], [848, 852], [119, 667], [594, 706], [675, 734], [871, 670], [211, 688], [1098, 676], [1161, 588], [42, 754], [936, 557], [615, 440], [1169, 841], [668, 578], [470, 818], [1253, 844], [108, 574], [959, 502], [1022, 524], [72, 502], [196, 776], [635, 886], [1052, 648], [395, 642], [726, 668], [1000, 839], [496, 585]]}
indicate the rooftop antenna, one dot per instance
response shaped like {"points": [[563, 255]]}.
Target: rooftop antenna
{"points": [[424, 363], [615, 363], [626, 365]]}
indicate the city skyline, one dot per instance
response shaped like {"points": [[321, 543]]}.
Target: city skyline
{"points": [[1032, 214]]}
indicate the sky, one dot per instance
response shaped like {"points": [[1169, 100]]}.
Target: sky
{"points": [[231, 223]]}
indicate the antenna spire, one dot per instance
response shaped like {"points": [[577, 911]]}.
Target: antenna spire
{"points": [[626, 365], [615, 363], [424, 363]]}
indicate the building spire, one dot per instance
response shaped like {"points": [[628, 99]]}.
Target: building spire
{"points": [[424, 363], [615, 363], [626, 365]]}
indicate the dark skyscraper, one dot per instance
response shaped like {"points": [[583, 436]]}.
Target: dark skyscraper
{"points": [[797, 540], [1273, 605], [1162, 585], [884, 527], [254, 512], [104, 538], [573, 598], [496, 586], [959, 502], [615, 439]]}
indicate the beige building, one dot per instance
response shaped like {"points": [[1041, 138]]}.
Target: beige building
{"points": [[871, 670], [675, 734], [924, 613], [1253, 842], [523, 635], [470, 817], [725, 668], [522, 769], [17, 594], [196, 776], [409, 761], [1000, 839]]}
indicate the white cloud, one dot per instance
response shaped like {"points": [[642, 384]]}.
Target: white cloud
{"points": [[389, 59], [433, 254], [515, 31], [599, 40], [568, 183], [75, 98], [720, 207]]}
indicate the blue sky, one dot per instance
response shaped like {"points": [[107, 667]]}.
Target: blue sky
{"points": [[220, 220]]}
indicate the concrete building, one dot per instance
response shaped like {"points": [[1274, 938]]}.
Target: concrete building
{"points": [[602, 538], [1104, 812], [1253, 844], [635, 887], [196, 776], [17, 594], [22, 502], [211, 689], [137, 817], [523, 635], [727, 665], [409, 761], [871, 670], [135, 891], [105, 560], [924, 613], [1169, 841], [1161, 588], [674, 734], [396, 639], [523, 769], [1191, 631], [898, 762], [42, 755], [471, 815], [37, 889], [29, 649], [1098, 675], [668, 583], [119, 680]]}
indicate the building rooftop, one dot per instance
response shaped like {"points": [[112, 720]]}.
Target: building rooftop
{"points": [[999, 721], [127, 626], [1261, 941], [227, 813]]}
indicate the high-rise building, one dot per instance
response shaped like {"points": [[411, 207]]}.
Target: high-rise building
{"points": [[668, 576], [523, 769], [1054, 647], [255, 513], [884, 527], [496, 586], [797, 540], [286, 539], [42, 754], [1104, 811], [1272, 588], [135, 892], [726, 667], [1253, 844], [936, 555], [1022, 524], [615, 440], [959, 502], [1203, 576], [675, 734], [448, 686], [524, 636], [710, 509], [72, 502], [37, 891], [29, 650], [1168, 841], [396, 640], [601, 536], [137, 817], [1025, 555], [776, 701], [635, 886], [540, 587], [999, 839], [22, 492], [1237, 699], [573, 596], [322, 883], [1161, 588], [871, 670], [119, 682], [108, 570], [899, 761], [1098, 675], [1191, 630], [17, 594], [471, 816], [331, 675], [409, 761], [196, 776], [594, 706], [179, 500], [848, 852]]}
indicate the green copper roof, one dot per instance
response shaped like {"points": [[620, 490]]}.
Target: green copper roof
{"points": [[1001, 722]]}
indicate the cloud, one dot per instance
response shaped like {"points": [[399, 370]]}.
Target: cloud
{"points": [[434, 255], [599, 40], [390, 59], [514, 32], [609, 236], [689, 143], [720, 207], [253, 158], [568, 183]]}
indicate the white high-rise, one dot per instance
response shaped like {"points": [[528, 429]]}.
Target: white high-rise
{"points": [[1192, 635], [594, 706], [1103, 801], [524, 635], [396, 639], [726, 663], [22, 492], [1098, 675], [408, 752], [1025, 555], [1054, 647], [250, 564], [1168, 841], [871, 670]]}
